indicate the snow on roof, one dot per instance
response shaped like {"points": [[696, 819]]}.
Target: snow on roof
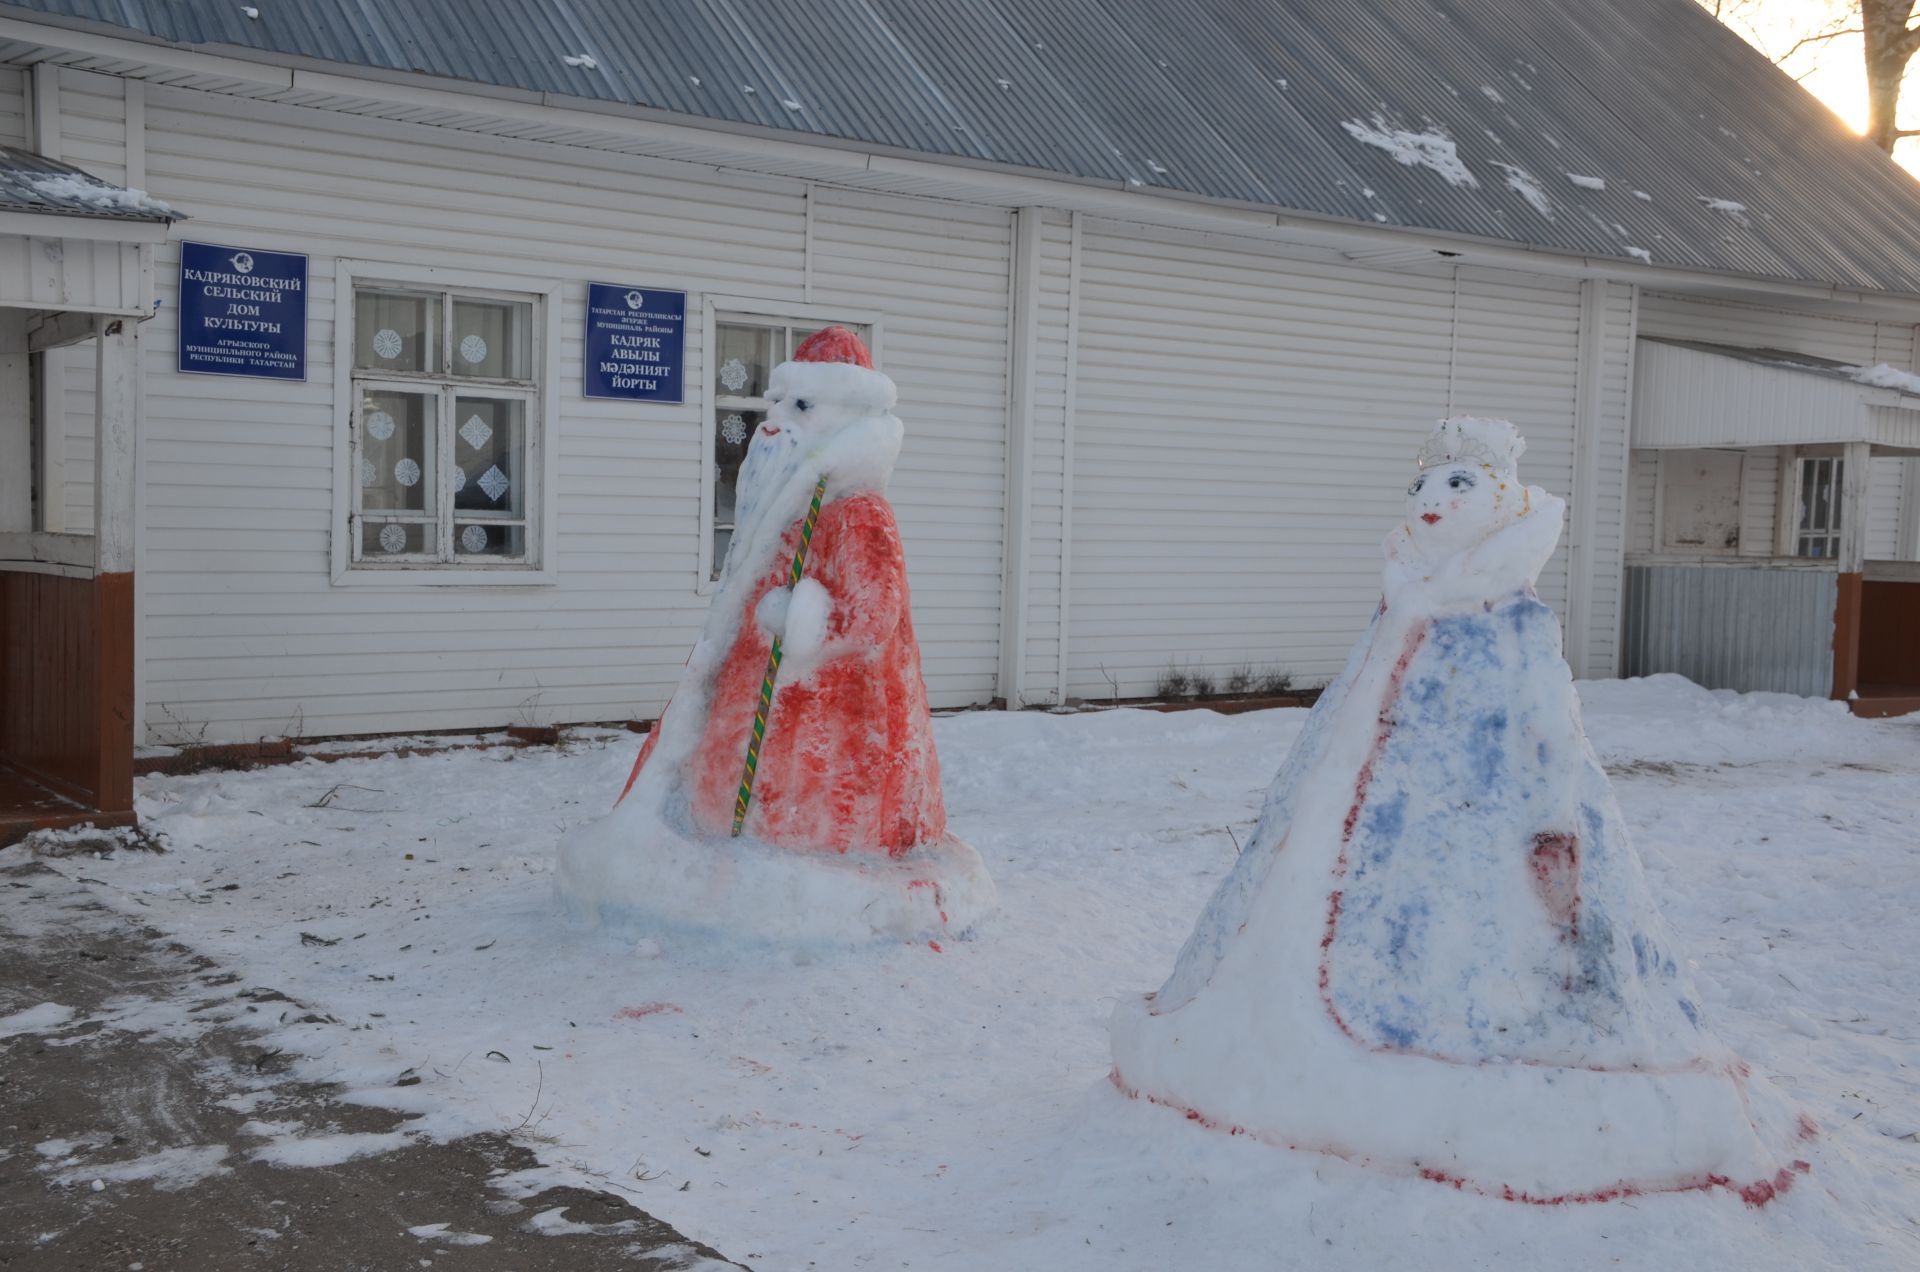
{"points": [[1522, 183], [1883, 376], [1263, 103], [35, 183], [1431, 148]]}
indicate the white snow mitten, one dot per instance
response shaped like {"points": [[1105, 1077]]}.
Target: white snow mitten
{"points": [[806, 622], [771, 612]]}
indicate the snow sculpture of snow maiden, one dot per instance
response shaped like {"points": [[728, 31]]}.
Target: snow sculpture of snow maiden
{"points": [[1438, 954], [791, 790]]}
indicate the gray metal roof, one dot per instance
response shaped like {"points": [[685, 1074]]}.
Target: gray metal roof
{"points": [[35, 183], [1711, 158]]}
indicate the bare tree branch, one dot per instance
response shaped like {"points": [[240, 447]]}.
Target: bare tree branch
{"points": [[1821, 38]]}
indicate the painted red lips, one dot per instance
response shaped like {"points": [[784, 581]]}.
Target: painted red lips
{"points": [[1430, 517]]}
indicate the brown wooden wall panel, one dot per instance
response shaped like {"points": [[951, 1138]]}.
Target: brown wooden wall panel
{"points": [[66, 683], [1889, 633]]}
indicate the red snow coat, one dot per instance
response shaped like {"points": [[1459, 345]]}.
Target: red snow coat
{"points": [[848, 764]]}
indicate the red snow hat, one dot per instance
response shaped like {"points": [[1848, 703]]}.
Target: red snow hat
{"points": [[834, 344]]}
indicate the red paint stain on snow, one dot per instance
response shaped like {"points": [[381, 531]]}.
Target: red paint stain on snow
{"points": [[1808, 1128], [752, 1066], [935, 947], [1756, 1194], [1555, 862], [646, 1009]]}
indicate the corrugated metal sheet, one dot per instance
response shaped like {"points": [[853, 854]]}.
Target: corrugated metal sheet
{"points": [[1732, 627], [32, 183], [1710, 157]]}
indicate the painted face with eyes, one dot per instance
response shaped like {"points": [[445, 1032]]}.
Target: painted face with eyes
{"points": [[1451, 507]]}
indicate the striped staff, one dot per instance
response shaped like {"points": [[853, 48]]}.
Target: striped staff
{"points": [[745, 797]]}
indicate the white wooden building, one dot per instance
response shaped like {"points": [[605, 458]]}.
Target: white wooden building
{"points": [[1146, 429]]}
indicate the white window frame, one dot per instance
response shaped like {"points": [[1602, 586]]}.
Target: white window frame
{"points": [[789, 312], [1834, 532], [543, 427]]}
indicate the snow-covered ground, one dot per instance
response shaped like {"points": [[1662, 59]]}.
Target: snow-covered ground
{"points": [[911, 1107]]}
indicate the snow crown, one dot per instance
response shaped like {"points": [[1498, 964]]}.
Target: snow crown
{"points": [[1465, 438]]}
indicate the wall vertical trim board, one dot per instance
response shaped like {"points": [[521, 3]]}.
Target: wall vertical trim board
{"points": [[50, 429], [1586, 464], [1066, 449], [1023, 349], [807, 199]]}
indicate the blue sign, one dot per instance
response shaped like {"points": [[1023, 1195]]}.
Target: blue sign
{"points": [[636, 343], [243, 312]]}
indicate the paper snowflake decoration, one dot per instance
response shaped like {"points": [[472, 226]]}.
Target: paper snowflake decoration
{"points": [[386, 342], [367, 471], [406, 472], [473, 349], [380, 426], [459, 479], [494, 482], [475, 432], [393, 538], [733, 375], [474, 538], [733, 430]]}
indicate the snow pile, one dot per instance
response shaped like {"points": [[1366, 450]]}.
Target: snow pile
{"points": [[1587, 183], [40, 1019], [68, 188], [1522, 183], [1640, 254], [1429, 149], [1886, 376], [1438, 954]]}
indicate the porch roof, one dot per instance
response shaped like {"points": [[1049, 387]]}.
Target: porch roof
{"points": [[1690, 394], [32, 183]]}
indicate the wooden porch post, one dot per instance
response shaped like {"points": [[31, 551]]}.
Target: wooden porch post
{"points": [[114, 451], [1856, 458]]}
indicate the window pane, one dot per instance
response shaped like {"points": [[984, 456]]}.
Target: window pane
{"points": [[490, 457], [481, 539], [395, 437], [743, 359], [732, 431], [394, 538], [493, 338], [396, 331]]}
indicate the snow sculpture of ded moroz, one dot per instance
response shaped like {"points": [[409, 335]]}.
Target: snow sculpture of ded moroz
{"points": [[1438, 954], [836, 829]]}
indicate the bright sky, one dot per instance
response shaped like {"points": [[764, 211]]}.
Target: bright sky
{"points": [[1831, 70]]}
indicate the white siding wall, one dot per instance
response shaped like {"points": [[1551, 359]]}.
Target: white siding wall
{"points": [[93, 135], [245, 635], [1245, 431], [940, 274], [1760, 501], [1887, 483], [1517, 343], [1643, 481], [13, 106], [1749, 326]]}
